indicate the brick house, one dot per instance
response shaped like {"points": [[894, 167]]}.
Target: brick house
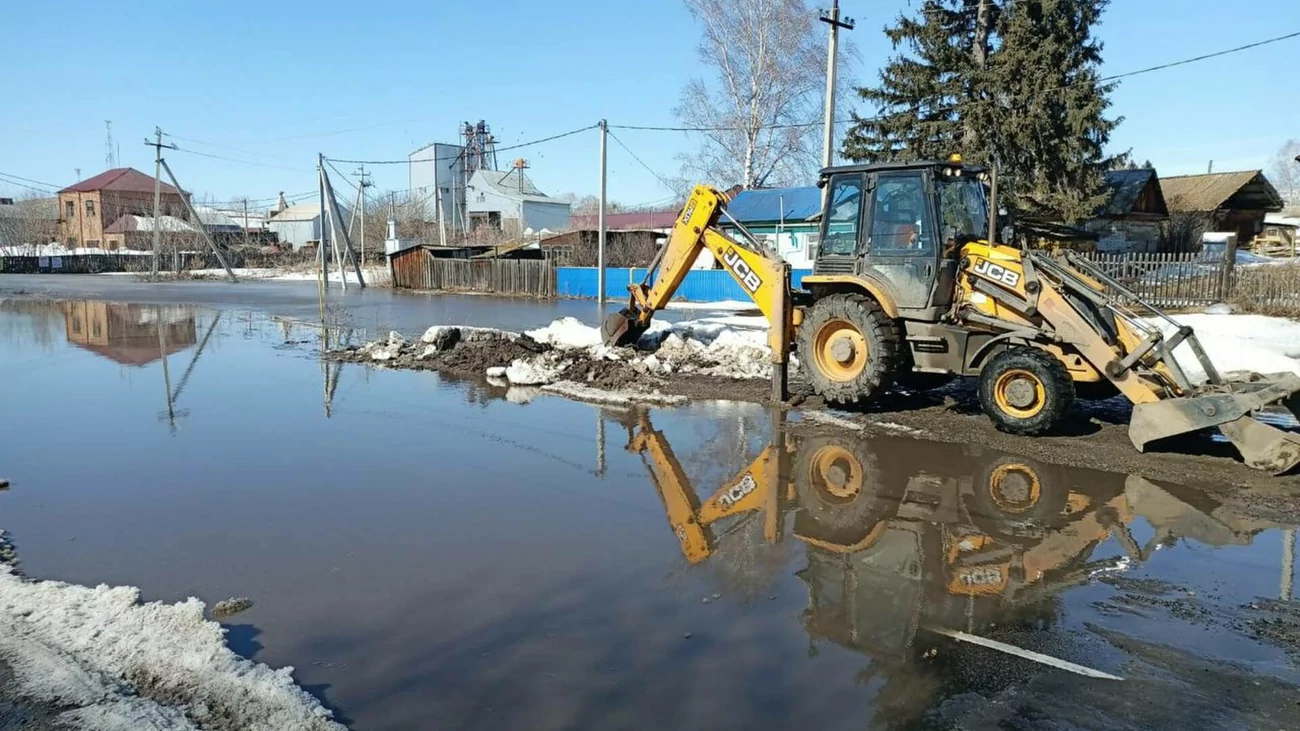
{"points": [[94, 204]]}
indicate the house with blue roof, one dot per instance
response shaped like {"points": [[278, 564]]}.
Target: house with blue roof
{"points": [[787, 219]]}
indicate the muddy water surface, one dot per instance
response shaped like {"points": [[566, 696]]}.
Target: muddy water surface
{"points": [[429, 553]]}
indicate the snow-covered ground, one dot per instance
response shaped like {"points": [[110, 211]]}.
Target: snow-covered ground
{"points": [[1236, 342], [373, 274], [101, 659]]}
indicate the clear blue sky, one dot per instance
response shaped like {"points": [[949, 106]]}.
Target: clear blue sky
{"points": [[276, 82]]}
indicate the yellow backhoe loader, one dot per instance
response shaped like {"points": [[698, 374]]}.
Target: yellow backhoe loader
{"points": [[909, 283]]}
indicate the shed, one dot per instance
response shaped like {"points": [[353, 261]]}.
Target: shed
{"points": [[788, 219], [1130, 218], [1235, 202], [300, 225]]}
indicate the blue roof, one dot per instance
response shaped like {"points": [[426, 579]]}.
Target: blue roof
{"points": [[761, 206]]}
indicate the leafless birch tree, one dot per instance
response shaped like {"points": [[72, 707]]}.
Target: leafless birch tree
{"points": [[762, 101]]}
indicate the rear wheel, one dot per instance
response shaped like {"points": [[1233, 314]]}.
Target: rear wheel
{"points": [[1025, 390], [849, 349]]}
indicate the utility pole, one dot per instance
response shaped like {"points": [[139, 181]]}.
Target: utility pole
{"points": [[600, 236], [320, 238], [245, 221], [361, 201], [832, 52], [157, 146]]}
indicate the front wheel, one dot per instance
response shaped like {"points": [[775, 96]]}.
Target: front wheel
{"points": [[1025, 390], [849, 349]]}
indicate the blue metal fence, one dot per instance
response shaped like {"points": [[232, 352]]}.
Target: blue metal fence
{"points": [[700, 285]]}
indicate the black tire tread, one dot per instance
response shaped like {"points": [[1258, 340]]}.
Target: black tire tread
{"points": [[1056, 381], [883, 338]]}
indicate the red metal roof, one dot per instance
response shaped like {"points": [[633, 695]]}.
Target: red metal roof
{"points": [[626, 221], [126, 180]]}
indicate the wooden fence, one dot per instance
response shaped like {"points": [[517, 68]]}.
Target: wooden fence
{"points": [[1194, 280], [528, 277]]}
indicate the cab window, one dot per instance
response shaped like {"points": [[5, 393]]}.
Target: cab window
{"points": [[844, 217], [899, 221]]}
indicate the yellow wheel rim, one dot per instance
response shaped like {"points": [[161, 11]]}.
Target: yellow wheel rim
{"points": [[836, 474], [1019, 393], [840, 350], [1015, 487]]}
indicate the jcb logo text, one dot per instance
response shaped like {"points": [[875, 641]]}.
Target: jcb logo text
{"points": [[743, 271], [986, 268], [737, 492]]}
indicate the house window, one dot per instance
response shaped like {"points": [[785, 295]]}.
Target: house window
{"points": [[90, 208], [70, 209]]}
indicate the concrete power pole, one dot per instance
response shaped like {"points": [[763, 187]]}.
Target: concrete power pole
{"points": [[832, 52], [157, 193], [361, 202], [600, 223]]}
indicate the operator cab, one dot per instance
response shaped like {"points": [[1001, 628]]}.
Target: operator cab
{"points": [[903, 225]]}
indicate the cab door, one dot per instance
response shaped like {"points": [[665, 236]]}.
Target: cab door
{"points": [[901, 240]]}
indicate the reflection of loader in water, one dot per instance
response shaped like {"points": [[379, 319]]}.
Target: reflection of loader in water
{"points": [[900, 540]]}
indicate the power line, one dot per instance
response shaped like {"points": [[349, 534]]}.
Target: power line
{"points": [[52, 186], [1114, 77], [662, 180], [457, 157], [224, 147], [241, 162]]}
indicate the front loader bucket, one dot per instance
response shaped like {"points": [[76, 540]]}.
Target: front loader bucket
{"points": [[1262, 446]]}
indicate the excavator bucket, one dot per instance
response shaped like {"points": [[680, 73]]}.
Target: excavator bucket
{"points": [[1230, 407], [621, 328]]}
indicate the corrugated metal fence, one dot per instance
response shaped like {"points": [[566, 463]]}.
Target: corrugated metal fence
{"points": [[527, 277], [700, 285]]}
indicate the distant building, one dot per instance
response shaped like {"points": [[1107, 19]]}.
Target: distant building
{"points": [[300, 225], [136, 232], [1130, 219], [661, 221], [1235, 202], [787, 219], [34, 222], [509, 202], [89, 207], [437, 176]]}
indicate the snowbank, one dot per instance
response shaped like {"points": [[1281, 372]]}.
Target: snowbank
{"points": [[115, 663], [1239, 343], [729, 346]]}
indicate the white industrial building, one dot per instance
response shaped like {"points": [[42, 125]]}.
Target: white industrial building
{"points": [[509, 201], [437, 181], [300, 225]]}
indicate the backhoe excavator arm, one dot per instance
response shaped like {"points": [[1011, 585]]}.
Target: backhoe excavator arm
{"points": [[764, 277]]}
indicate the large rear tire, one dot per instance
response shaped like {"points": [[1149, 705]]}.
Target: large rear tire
{"points": [[849, 349], [1026, 391]]}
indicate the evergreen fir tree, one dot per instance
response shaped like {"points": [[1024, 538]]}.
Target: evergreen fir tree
{"points": [[1011, 81], [1049, 120], [922, 88]]}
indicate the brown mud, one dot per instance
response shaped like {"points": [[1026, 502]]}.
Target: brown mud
{"points": [[1094, 436]]}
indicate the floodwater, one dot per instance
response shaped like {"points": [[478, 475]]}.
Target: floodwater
{"points": [[429, 553]]}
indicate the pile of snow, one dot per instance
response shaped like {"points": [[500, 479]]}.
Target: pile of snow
{"points": [[567, 332], [115, 663], [730, 346], [1238, 343], [56, 249]]}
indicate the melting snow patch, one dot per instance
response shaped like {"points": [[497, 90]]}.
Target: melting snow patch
{"points": [[833, 420], [567, 332], [1239, 343], [532, 371], [114, 662], [603, 396], [897, 427]]}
